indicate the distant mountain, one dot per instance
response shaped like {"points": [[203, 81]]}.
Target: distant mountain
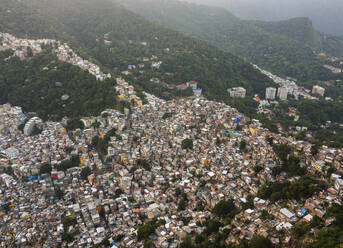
{"points": [[301, 30], [287, 48], [113, 36], [326, 15]]}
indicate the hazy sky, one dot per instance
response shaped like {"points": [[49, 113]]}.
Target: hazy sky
{"points": [[327, 15]]}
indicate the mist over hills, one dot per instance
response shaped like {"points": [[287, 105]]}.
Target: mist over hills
{"points": [[327, 15], [287, 48], [112, 36]]}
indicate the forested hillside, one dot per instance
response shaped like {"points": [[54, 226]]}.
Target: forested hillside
{"points": [[115, 37], [326, 14], [301, 30], [38, 84], [286, 48]]}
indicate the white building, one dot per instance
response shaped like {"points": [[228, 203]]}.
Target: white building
{"points": [[29, 126], [12, 153], [286, 213], [318, 90], [197, 92], [237, 92], [270, 93], [282, 93], [339, 184]]}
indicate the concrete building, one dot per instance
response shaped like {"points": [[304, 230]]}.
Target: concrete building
{"points": [[318, 90], [197, 92], [192, 84], [270, 93], [282, 93], [12, 153], [237, 92], [29, 126]]}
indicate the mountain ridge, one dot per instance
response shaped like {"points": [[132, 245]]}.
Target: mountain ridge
{"points": [[326, 15], [117, 38], [284, 51]]}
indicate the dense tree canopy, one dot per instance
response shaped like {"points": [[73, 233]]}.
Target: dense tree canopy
{"points": [[26, 84], [86, 25], [45, 168], [303, 188], [85, 172], [187, 144], [285, 48]]}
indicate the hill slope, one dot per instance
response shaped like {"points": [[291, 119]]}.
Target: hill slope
{"points": [[301, 30], [285, 48], [326, 15], [38, 84], [115, 37]]}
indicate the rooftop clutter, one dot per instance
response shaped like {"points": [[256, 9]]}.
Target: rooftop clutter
{"points": [[156, 172], [23, 47]]}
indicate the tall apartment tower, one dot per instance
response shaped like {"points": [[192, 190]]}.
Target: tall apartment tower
{"points": [[282, 93], [270, 93]]}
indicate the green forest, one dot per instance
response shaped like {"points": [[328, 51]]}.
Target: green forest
{"points": [[286, 48], [26, 84], [86, 26]]}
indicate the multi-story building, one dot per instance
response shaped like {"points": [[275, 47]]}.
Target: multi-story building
{"points": [[29, 126], [237, 92], [270, 93], [318, 90], [282, 93]]}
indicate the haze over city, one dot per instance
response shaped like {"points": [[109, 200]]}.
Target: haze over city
{"points": [[171, 124]]}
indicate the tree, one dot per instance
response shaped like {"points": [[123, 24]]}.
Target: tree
{"points": [[331, 238], [212, 226], [59, 193], [95, 141], [68, 221], [45, 169], [314, 150], [6, 207], [74, 123], [148, 244], [9, 170], [243, 146], [118, 192], [105, 242], [21, 126], [258, 168], [224, 208], [249, 204], [181, 205], [260, 242], [265, 215], [29, 52], [68, 149], [85, 172], [187, 144], [187, 242], [166, 115], [101, 145], [336, 211], [142, 163], [74, 161], [36, 131], [299, 230], [144, 231], [270, 140], [302, 188]]}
